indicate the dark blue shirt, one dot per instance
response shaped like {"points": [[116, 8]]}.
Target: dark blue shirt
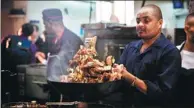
{"points": [[17, 53], [158, 66]]}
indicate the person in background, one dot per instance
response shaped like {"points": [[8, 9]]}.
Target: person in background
{"points": [[43, 36], [42, 53], [16, 51], [19, 33], [27, 44], [37, 45], [186, 83], [64, 43], [18, 46], [61, 43], [150, 66], [36, 38]]}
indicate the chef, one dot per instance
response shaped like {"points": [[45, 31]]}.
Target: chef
{"points": [[63, 46], [151, 65]]}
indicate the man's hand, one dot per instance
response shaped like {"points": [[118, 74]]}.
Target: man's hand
{"points": [[40, 54], [41, 57], [118, 68], [64, 78], [133, 80]]}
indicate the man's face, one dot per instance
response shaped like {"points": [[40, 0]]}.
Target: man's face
{"points": [[189, 29], [35, 34], [48, 27], [148, 26]]}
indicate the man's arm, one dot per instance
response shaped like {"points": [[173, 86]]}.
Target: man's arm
{"points": [[170, 71], [170, 67]]}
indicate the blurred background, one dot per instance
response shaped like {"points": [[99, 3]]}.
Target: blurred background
{"points": [[82, 12]]}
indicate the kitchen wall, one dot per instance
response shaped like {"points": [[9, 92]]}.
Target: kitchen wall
{"points": [[5, 23], [169, 14], [10, 25]]}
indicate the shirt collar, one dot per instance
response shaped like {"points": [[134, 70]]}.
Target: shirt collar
{"points": [[182, 43], [157, 43]]}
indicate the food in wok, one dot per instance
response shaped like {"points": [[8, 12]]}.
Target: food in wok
{"points": [[86, 68]]}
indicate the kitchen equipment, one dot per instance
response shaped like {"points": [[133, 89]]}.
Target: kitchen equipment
{"points": [[36, 82], [111, 37], [23, 105], [32, 81], [85, 92], [8, 84], [76, 105]]}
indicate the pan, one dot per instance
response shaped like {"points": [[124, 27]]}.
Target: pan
{"points": [[85, 92]]}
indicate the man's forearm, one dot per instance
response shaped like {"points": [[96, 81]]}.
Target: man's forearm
{"points": [[138, 83], [42, 60]]}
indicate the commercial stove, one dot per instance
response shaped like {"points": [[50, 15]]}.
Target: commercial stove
{"points": [[32, 82]]}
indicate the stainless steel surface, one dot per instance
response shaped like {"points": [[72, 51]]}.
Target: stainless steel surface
{"points": [[62, 103], [111, 38], [36, 74], [32, 81]]}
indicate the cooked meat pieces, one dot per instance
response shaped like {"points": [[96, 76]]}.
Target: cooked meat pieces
{"points": [[85, 68]]}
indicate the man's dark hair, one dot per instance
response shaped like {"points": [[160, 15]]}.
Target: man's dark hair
{"points": [[189, 15], [27, 29], [156, 9]]}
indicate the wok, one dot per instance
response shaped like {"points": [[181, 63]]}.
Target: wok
{"points": [[86, 92]]}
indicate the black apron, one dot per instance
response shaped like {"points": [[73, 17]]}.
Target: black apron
{"points": [[185, 86]]}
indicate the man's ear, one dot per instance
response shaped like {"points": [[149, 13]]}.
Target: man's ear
{"points": [[186, 28], [161, 22]]}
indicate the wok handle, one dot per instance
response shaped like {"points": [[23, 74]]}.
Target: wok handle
{"points": [[39, 82], [62, 103]]}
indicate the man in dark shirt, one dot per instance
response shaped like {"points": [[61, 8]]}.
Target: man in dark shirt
{"points": [[37, 44], [16, 51], [63, 45], [151, 65], [185, 87]]}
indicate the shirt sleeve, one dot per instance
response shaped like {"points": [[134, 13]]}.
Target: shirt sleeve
{"points": [[170, 66]]}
